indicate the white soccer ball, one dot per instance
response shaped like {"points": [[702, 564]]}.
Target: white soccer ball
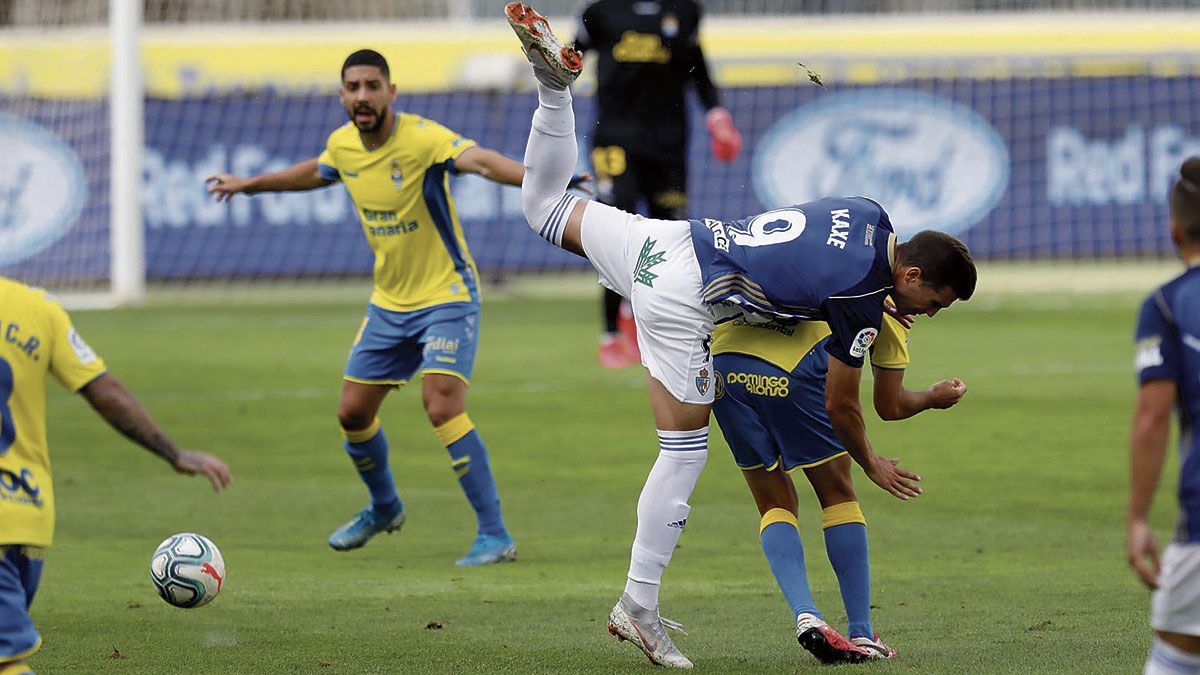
{"points": [[188, 570]]}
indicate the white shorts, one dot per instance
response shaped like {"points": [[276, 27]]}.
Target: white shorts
{"points": [[1175, 606], [652, 263]]}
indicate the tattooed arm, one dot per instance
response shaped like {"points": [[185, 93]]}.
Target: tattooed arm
{"points": [[118, 407]]}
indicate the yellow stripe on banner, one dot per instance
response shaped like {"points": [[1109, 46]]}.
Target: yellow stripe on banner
{"points": [[777, 516], [454, 429], [840, 514], [362, 435], [436, 57]]}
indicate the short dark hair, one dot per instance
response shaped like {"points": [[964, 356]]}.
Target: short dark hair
{"points": [[366, 57], [1185, 200], [943, 260]]}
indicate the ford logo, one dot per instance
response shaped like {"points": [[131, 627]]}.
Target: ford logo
{"points": [[42, 188], [932, 163]]}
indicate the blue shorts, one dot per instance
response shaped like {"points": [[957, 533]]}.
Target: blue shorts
{"points": [[20, 571], [770, 417], [392, 346]]}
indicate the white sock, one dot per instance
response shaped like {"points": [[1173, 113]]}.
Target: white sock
{"points": [[663, 510], [1165, 659], [550, 158]]}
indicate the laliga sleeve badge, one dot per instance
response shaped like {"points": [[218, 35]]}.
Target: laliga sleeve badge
{"points": [[862, 342]]}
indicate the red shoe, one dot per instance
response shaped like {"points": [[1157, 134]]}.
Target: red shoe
{"points": [[612, 353], [627, 327], [825, 643]]}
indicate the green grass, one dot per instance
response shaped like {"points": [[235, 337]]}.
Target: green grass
{"points": [[1012, 560]]}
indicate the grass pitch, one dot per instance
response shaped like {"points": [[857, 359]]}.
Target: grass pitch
{"points": [[1012, 561]]}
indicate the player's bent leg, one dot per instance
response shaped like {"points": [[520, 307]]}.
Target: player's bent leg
{"points": [[846, 545], [367, 447], [445, 403]]}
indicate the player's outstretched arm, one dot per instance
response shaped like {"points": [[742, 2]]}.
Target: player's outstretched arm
{"points": [[117, 405], [302, 176], [1147, 452], [496, 167], [894, 402], [845, 413]]}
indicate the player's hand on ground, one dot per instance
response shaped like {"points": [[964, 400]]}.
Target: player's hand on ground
{"points": [[224, 186], [947, 393], [579, 182], [905, 320], [190, 462], [1142, 553], [886, 473]]}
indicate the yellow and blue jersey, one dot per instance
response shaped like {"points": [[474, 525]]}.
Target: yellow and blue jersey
{"points": [[829, 260], [785, 346], [402, 193], [36, 338]]}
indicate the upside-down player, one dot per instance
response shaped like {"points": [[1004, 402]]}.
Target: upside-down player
{"points": [[40, 340], [424, 314], [770, 404], [834, 260], [1168, 368]]}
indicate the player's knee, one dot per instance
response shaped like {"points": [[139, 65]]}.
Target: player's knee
{"points": [[351, 419], [442, 409]]}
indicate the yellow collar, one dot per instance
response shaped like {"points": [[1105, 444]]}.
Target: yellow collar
{"points": [[892, 250]]}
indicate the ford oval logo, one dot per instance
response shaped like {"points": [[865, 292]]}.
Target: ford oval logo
{"points": [[932, 163], [42, 188]]}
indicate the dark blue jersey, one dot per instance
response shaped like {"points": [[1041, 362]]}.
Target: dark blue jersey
{"points": [[1168, 348], [828, 260]]}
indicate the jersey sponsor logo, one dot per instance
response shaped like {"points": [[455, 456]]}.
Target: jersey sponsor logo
{"points": [[642, 273], [869, 235], [18, 486], [862, 342], [42, 188], [635, 47], [1148, 353], [82, 350], [934, 163], [702, 381], [760, 385], [350, 174], [720, 234]]}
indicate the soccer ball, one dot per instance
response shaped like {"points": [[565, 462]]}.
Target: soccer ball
{"points": [[187, 569]]}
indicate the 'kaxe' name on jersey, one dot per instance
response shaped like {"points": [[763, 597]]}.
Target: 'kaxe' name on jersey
{"points": [[839, 231]]}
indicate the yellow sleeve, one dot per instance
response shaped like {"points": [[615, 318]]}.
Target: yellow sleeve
{"points": [[72, 361], [442, 143], [891, 347], [326, 165]]}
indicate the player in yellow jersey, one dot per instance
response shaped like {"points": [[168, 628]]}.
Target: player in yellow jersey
{"points": [[36, 338], [423, 315], [771, 406]]}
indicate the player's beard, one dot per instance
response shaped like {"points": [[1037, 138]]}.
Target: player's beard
{"points": [[375, 126]]}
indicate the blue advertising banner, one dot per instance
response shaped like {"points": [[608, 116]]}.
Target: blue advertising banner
{"points": [[1021, 168]]}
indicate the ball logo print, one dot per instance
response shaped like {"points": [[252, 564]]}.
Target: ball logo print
{"points": [[188, 570], [42, 189], [931, 162]]}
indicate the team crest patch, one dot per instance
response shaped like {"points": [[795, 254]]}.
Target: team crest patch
{"points": [[642, 273], [397, 175], [862, 342], [702, 381]]}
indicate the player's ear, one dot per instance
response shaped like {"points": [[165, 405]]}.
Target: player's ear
{"points": [[913, 275]]}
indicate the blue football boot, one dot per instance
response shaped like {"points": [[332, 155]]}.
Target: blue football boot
{"points": [[489, 548], [366, 524]]}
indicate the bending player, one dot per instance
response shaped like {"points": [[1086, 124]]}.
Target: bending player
{"points": [[770, 404], [41, 341], [424, 314], [834, 260], [1167, 364]]}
